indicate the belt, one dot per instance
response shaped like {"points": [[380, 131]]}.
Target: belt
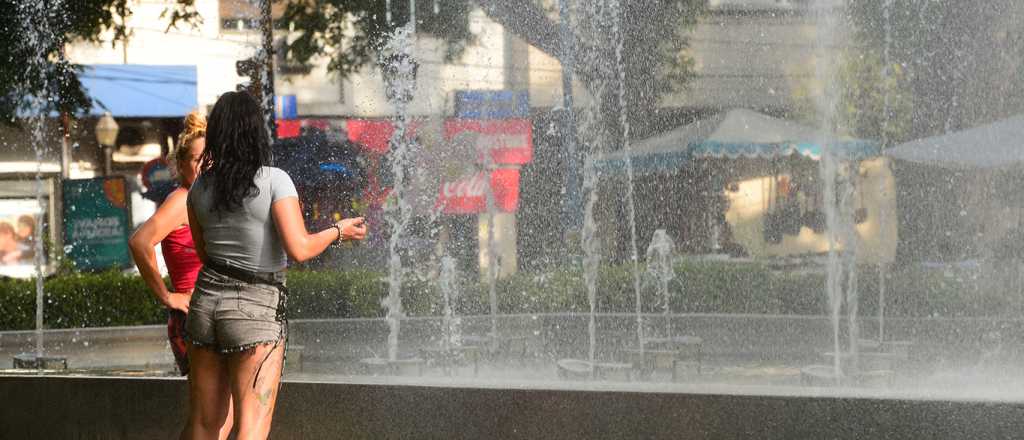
{"points": [[248, 276]]}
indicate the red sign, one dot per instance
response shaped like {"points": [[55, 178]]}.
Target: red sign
{"points": [[288, 128], [375, 134], [510, 141], [469, 195]]}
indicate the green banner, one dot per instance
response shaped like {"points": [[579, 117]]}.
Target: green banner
{"points": [[97, 223]]}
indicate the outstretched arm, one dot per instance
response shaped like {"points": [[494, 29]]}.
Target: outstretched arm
{"points": [[170, 215], [300, 244]]}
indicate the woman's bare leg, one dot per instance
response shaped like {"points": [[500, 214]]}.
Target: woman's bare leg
{"points": [[209, 413], [229, 420], [255, 395]]}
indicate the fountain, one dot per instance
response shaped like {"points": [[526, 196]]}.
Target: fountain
{"points": [[604, 16], [38, 41], [398, 57], [757, 323]]}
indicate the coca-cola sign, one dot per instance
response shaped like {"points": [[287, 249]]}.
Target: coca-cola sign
{"points": [[509, 141], [469, 194]]}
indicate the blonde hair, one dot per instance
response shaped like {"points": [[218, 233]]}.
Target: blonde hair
{"points": [[195, 128]]}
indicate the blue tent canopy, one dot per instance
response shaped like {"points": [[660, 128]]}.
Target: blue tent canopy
{"points": [[140, 91], [738, 133]]}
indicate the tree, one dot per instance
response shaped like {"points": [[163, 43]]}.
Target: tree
{"points": [[349, 33], [33, 34], [962, 60], [873, 99]]}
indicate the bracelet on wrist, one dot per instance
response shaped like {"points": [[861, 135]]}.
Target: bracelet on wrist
{"points": [[339, 239]]}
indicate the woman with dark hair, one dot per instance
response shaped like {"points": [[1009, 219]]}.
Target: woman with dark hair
{"points": [[169, 226], [246, 222]]}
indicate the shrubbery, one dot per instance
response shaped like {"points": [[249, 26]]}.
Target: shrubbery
{"points": [[114, 299]]}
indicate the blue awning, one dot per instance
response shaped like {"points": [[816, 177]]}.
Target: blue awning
{"points": [[140, 90], [844, 149]]}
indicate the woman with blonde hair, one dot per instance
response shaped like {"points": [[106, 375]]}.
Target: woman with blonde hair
{"points": [[169, 226]]}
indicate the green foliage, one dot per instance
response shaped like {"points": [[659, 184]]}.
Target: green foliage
{"points": [[33, 35], [79, 300], [351, 33], [961, 58], [116, 299], [655, 46], [874, 100]]}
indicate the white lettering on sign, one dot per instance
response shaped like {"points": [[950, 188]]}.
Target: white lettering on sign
{"points": [[97, 228], [472, 187]]}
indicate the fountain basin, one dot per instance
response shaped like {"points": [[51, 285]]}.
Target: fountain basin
{"points": [[32, 361], [120, 408], [577, 369], [376, 366]]}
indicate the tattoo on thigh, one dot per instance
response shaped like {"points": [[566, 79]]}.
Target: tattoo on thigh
{"points": [[265, 396]]}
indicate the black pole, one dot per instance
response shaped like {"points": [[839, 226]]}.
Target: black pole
{"points": [[267, 27], [571, 208]]}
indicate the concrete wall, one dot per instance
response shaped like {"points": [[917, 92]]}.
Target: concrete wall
{"points": [[102, 408], [337, 345]]}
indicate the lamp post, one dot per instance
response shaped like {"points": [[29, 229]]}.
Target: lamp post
{"points": [[106, 136]]}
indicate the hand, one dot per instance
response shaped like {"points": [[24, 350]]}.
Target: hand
{"points": [[352, 228], [179, 301]]}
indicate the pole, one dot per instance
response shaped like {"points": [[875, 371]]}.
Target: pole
{"points": [[882, 273], [571, 205], [412, 15], [108, 160], [65, 147], [267, 27]]}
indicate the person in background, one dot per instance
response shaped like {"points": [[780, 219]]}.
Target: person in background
{"points": [[10, 252], [246, 223], [169, 226], [26, 236]]}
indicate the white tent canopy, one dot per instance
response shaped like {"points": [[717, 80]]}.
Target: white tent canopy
{"points": [[996, 145], [737, 133]]}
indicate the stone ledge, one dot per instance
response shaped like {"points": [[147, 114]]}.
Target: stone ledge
{"points": [[129, 408]]}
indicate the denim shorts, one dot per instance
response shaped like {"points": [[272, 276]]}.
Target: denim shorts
{"points": [[228, 315]]}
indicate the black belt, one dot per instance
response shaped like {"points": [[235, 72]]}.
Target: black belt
{"points": [[248, 276]]}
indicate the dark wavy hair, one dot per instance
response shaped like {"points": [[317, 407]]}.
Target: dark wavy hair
{"points": [[237, 146]]}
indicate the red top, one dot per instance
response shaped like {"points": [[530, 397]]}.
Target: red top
{"points": [[182, 261]]}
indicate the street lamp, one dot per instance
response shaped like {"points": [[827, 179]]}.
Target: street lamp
{"points": [[106, 136]]}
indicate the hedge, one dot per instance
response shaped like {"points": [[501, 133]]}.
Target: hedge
{"points": [[116, 299]]}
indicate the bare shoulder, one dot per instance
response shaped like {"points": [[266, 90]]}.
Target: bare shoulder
{"points": [[176, 197]]}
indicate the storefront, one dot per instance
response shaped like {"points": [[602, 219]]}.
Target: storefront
{"points": [[137, 111]]}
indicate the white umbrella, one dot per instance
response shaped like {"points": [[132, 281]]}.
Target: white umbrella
{"points": [[996, 145]]}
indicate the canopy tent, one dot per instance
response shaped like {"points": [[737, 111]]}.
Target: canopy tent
{"points": [[993, 146], [977, 211], [732, 134]]}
